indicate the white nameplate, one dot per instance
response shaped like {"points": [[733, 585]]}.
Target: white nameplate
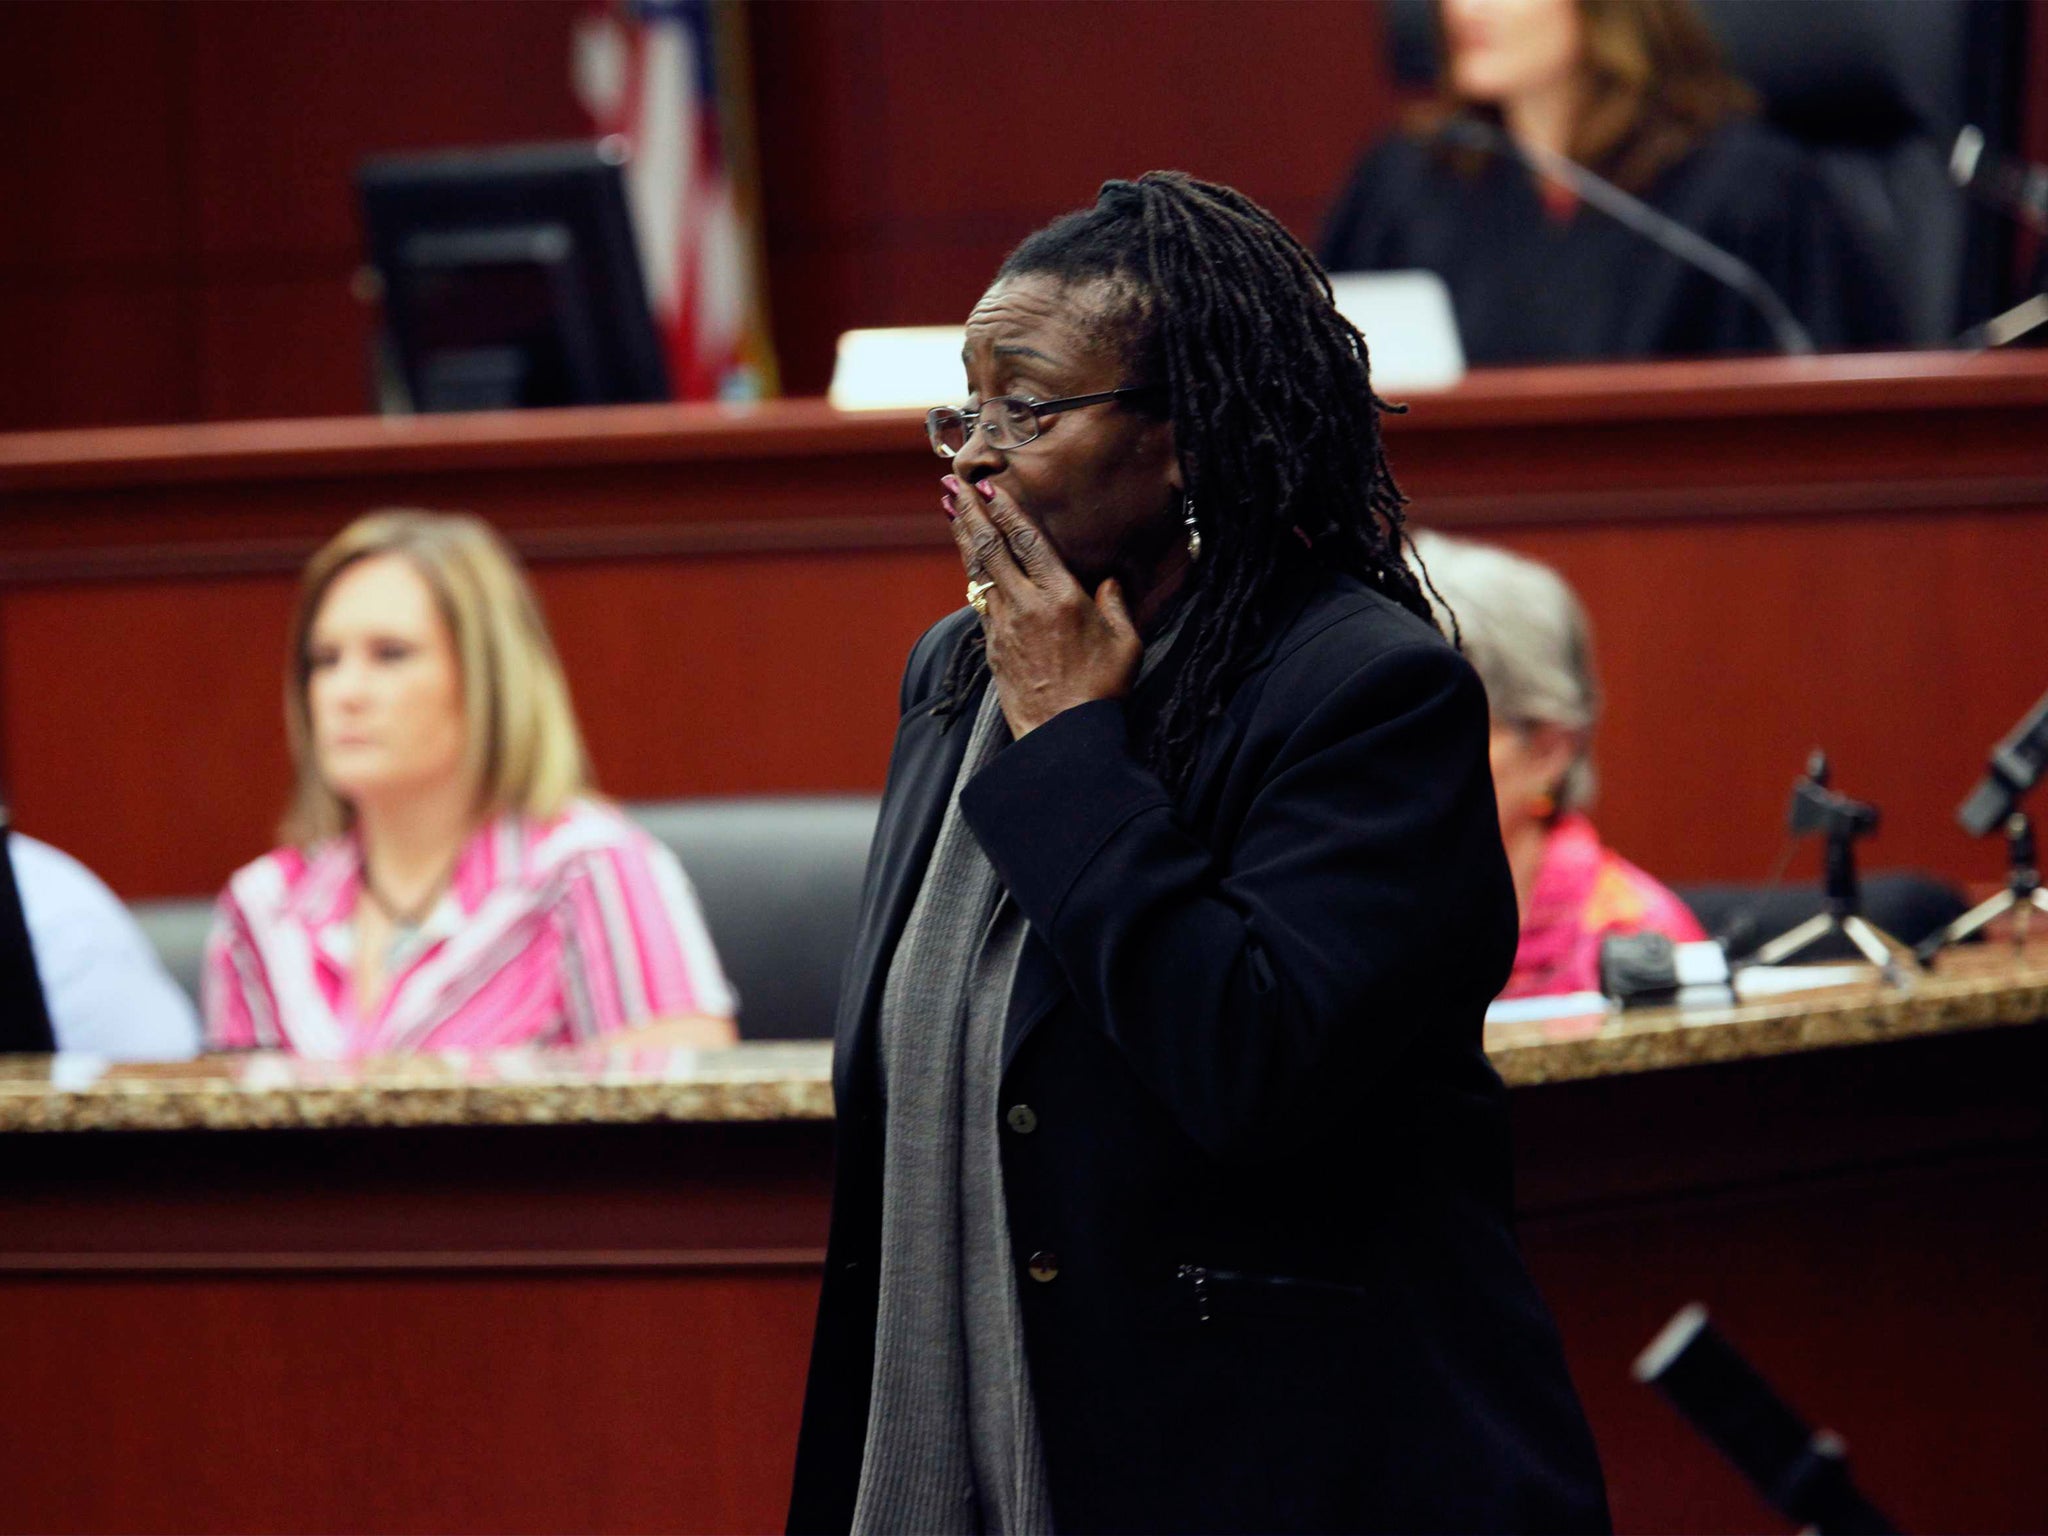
{"points": [[911, 367]]}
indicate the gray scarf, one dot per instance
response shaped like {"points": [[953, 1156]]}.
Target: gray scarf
{"points": [[952, 1443], [952, 1436]]}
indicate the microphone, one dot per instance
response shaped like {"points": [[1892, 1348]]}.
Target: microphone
{"points": [[1802, 1472], [1659, 228], [2015, 765]]}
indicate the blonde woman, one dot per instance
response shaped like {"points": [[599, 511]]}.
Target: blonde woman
{"points": [[447, 879]]}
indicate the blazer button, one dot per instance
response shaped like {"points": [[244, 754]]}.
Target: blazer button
{"points": [[1022, 1119], [1043, 1265]]}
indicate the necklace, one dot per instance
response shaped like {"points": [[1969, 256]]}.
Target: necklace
{"points": [[405, 921]]}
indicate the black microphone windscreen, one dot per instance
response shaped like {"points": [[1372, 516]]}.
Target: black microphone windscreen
{"points": [[1712, 1385], [1801, 1473], [1989, 804]]}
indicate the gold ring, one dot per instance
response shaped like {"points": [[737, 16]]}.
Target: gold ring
{"points": [[977, 595]]}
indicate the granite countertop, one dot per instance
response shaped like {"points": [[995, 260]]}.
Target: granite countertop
{"points": [[1980, 987], [264, 1090], [626, 1082]]}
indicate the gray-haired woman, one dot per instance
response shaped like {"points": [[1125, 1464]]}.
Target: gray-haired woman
{"points": [[1526, 634]]}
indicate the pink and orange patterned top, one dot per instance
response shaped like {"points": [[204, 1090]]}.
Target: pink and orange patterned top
{"points": [[549, 933], [1583, 893]]}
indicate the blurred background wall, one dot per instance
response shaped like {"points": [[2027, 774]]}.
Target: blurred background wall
{"points": [[178, 234], [178, 227]]}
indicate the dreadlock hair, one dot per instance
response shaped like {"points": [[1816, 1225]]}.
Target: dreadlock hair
{"points": [[1274, 417]]}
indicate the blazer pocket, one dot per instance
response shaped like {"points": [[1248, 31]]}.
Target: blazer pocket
{"points": [[1205, 1295]]}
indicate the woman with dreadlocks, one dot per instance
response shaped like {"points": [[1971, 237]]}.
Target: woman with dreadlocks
{"points": [[1173, 1186]]}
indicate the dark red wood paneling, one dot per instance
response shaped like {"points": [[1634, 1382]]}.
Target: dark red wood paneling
{"points": [[192, 162], [255, 334], [177, 217], [90, 113], [96, 350], [906, 148], [205, 149], [1730, 649], [288, 98], [1924, 1354], [569, 1328], [1868, 1226], [146, 729], [578, 1327], [93, 217], [1776, 556], [610, 1402], [649, 648], [123, 701]]}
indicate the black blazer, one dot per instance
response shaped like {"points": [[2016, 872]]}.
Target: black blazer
{"points": [[1266, 1163]]}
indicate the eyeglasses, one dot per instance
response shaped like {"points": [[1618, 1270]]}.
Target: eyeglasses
{"points": [[1009, 421]]}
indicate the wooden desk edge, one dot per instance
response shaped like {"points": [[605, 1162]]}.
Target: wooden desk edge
{"points": [[348, 446], [730, 1093]]}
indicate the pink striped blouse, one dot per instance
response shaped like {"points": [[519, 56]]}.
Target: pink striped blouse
{"points": [[549, 933]]}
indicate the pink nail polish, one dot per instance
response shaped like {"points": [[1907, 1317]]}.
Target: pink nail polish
{"points": [[988, 491], [946, 506], [951, 483]]}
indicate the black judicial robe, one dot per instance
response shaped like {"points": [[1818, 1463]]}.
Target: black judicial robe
{"points": [[1266, 1159], [1529, 287]]}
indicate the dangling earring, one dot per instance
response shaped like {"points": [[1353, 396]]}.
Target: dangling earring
{"points": [[1187, 516]]}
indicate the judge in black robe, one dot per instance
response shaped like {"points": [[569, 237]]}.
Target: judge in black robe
{"points": [[1530, 284]]}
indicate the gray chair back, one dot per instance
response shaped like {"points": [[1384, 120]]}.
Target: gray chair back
{"points": [[1907, 904], [178, 929], [779, 878], [1876, 90]]}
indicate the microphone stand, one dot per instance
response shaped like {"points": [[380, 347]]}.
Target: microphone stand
{"points": [[1840, 821], [2022, 895], [2023, 319], [1657, 227], [2014, 768]]}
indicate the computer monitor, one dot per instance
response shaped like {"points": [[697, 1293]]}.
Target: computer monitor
{"points": [[511, 278]]}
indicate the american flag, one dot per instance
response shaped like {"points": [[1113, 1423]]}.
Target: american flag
{"points": [[654, 73]]}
